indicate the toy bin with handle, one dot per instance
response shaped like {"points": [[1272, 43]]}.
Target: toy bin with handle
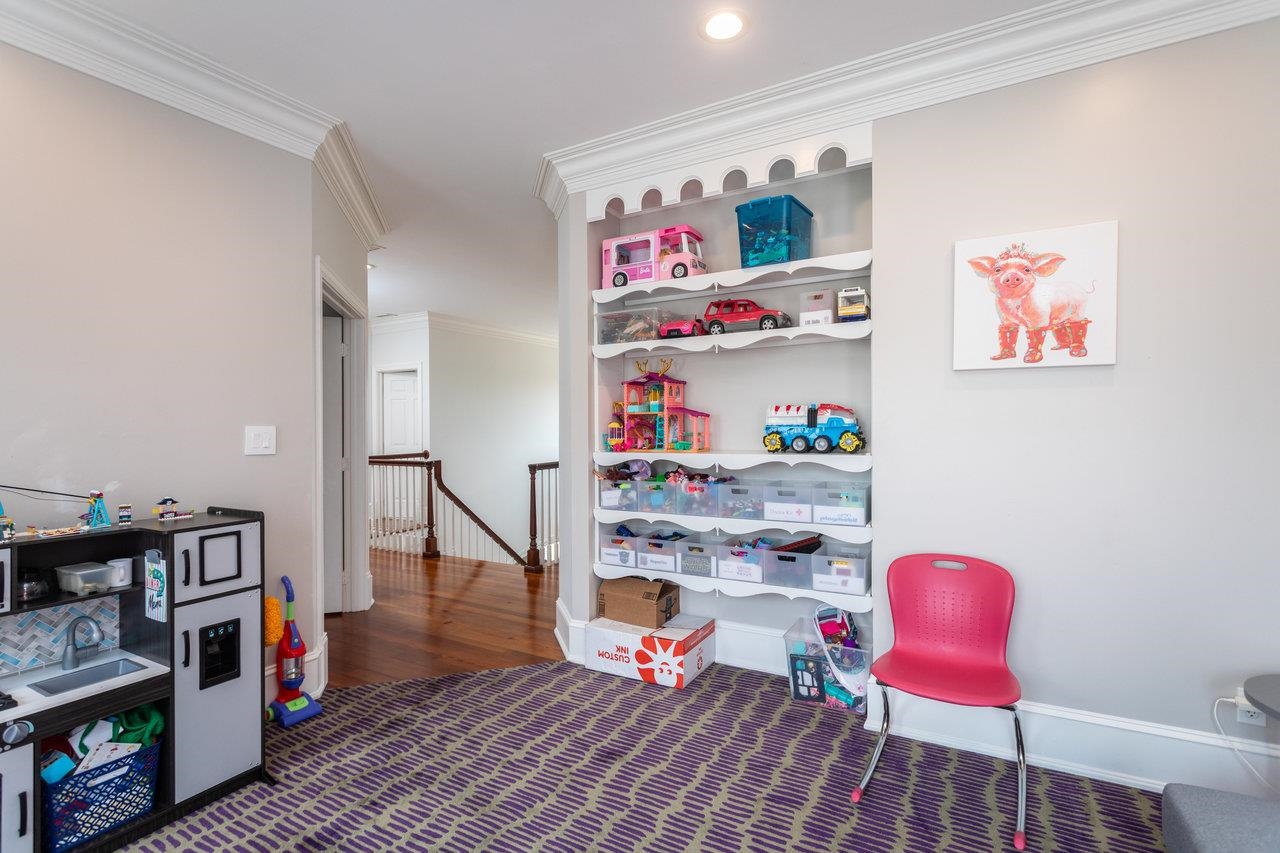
{"points": [[698, 555], [785, 501], [696, 497], [618, 495], [840, 567], [741, 499], [618, 550], [774, 230], [655, 496], [89, 804], [842, 503]]}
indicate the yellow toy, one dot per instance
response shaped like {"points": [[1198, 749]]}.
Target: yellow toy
{"points": [[272, 621]]}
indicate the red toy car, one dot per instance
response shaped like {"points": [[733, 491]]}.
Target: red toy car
{"points": [[736, 315], [681, 328]]}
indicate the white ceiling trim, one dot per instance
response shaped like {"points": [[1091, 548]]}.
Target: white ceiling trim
{"points": [[1055, 37], [338, 162], [110, 48], [414, 322], [448, 322]]}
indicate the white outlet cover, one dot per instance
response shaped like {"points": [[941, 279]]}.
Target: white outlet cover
{"points": [[259, 441]]}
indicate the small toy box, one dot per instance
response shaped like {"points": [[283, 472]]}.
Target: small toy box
{"points": [[815, 679], [655, 496], [818, 307], [637, 601], [672, 656], [84, 578], [841, 503], [741, 499], [788, 502], [774, 230], [698, 555], [621, 495], [852, 305], [638, 324], [838, 567], [695, 497]]}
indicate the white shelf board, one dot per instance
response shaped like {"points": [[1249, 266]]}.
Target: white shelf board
{"points": [[739, 589], [738, 460], [824, 333], [738, 526], [727, 279]]}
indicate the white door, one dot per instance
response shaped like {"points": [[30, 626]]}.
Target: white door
{"points": [[400, 428], [335, 462]]}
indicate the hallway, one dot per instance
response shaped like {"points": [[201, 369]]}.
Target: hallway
{"points": [[442, 616]]}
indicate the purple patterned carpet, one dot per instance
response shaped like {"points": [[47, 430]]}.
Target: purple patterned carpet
{"points": [[555, 758]]}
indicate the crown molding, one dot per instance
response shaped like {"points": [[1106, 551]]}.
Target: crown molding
{"points": [[416, 321], [449, 322], [1048, 39], [338, 161]]}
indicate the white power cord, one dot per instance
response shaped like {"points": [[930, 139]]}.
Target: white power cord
{"points": [[1231, 743]]}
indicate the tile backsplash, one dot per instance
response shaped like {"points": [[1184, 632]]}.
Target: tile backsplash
{"points": [[38, 637]]}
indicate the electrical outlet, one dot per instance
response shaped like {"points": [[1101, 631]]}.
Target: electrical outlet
{"points": [[1246, 713]]}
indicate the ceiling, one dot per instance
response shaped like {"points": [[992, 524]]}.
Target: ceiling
{"points": [[452, 104]]}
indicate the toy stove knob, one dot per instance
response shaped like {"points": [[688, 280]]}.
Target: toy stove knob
{"points": [[16, 732]]}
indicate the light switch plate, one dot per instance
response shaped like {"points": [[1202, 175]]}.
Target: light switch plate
{"points": [[259, 441]]}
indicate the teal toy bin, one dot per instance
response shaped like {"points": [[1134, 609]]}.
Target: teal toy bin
{"points": [[774, 230]]}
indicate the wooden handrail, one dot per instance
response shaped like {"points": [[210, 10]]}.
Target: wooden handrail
{"points": [[466, 510], [399, 458]]}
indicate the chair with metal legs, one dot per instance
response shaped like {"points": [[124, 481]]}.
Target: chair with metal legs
{"points": [[951, 618]]}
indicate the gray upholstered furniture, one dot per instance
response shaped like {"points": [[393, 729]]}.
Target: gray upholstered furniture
{"points": [[1202, 820]]}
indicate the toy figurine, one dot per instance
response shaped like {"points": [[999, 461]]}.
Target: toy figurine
{"points": [[654, 416], [7, 528], [852, 305], [651, 256], [814, 426], [166, 509], [124, 515], [96, 518]]}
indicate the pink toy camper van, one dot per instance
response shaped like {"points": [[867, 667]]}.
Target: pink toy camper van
{"points": [[649, 256]]}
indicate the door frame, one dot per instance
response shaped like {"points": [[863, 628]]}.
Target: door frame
{"points": [[357, 587], [401, 367]]}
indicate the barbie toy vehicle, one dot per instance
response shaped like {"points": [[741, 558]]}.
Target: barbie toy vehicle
{"points": [[652, 256]]}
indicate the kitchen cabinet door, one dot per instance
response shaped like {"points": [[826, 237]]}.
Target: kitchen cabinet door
{"points": [[217, 691], [217, 560], [6, 579], [18, 812]]}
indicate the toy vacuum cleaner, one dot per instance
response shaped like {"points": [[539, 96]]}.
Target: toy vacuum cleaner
{"points": [[291, 705]]}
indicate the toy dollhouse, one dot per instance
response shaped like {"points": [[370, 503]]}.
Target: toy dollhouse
{"points": [[654, 416]]}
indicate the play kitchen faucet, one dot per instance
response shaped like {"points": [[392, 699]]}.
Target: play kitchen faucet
{"points": [[74, 653]]}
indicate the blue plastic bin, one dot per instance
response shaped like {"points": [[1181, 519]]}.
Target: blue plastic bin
{"points": [[88, 804], [774, 230]]}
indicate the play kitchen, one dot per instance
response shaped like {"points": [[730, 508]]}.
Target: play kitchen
{"points": [[135, 694]]}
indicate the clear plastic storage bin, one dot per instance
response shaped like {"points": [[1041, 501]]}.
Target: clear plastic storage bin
{"points": [[658, 555], [842, 503], [738, 561], [698, 555], [785, 568], [618, 495], [838, 567], [741, 499], [774, 230], [785, 501], [836, 678], [85, 578], [637, 324], [655, 496], [618, 550], [695, 498]]}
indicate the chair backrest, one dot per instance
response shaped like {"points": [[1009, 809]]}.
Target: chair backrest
{"points": [[947, 603]]}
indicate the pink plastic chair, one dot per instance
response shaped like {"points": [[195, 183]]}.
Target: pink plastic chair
{"points": [[951, 625]]}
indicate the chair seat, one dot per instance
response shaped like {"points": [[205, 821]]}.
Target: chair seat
{"points": [[953, 680]]}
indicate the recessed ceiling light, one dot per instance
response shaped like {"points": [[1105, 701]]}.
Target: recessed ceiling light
{"points": [[368, 266], [723, 26]]}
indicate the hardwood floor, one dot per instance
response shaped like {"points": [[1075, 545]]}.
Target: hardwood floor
{"points": [[441, 616]]}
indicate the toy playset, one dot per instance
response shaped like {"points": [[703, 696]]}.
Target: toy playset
{"points": [[654, 416], [774, 230], [650, 256], [853, 305], [801, 427], [166, 509]]}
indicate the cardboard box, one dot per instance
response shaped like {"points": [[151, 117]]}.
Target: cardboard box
{"points": [[817, 318], [673, 655], [636, 601]]}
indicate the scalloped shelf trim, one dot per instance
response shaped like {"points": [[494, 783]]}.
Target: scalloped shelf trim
{"points": [[741, 340], [738, 526], [852, 463], [739, 589]]}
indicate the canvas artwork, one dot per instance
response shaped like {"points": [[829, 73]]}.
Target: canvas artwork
{"points": [[1036, 298]]}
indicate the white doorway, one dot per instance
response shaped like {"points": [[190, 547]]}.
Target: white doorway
{"points": [[399, 421], [335, 448]]}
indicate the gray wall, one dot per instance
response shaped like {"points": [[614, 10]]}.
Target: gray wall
{"points": [[1133, 503], [156, 287]]}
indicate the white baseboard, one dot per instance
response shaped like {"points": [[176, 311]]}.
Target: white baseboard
{"points": [[1085, 743], [317, 669], [570, 634], [750, 647]]}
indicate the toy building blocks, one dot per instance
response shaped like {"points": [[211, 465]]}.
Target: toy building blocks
{"points": [[651, 256], [654, 416], [166, 509], [853, 305], [814, 426]]}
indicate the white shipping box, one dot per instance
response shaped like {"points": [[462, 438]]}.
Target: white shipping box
{"points": [[672, 655]]}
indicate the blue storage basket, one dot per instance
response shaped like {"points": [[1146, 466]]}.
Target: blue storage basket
{"points": [[774, 230], [89, 804]]}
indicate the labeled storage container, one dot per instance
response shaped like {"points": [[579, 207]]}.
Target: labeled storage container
{"points": [[841, 503], [89, 804], [787, 568], [637, 324], [655, 496], [736, 560], [696, 498], [785, 501], [85, 578], [618, 550], [618, 495], [658, 555], [698, 555], [838, 567], [774, 230], [741, 499]]}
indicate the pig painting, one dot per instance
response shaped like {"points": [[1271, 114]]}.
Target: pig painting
{"points": [[1027, 297]]}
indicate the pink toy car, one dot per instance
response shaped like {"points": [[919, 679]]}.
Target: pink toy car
{"points": [[682, 328], [651, 256], [735, 315]]}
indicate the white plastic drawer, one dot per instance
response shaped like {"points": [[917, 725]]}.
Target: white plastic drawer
{"points": [[216, 560]]}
